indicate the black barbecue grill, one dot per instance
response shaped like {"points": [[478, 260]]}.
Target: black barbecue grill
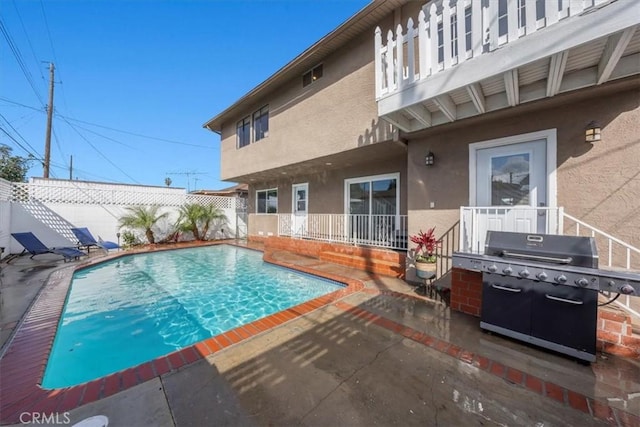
{"points": [[543, 289]]}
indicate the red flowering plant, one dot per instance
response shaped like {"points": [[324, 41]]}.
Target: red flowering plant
{"points": [[427, 244]]}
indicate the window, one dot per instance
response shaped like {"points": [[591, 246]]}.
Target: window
{"points": [[261, 123], [467, 26], [311, 76], [243, 132], [267, 201], [503, 18]]}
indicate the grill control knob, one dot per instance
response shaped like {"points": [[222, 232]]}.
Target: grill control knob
{"points": [[626, 289], [582, 282], [508, 271], [561, 278], [492, 268], [524, 273], [542, 276]]}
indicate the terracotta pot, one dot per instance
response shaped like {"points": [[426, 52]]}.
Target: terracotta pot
{"points": [[426, 270]]}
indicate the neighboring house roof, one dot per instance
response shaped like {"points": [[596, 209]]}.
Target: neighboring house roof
{"points": [[364, 20], [239, 189]]}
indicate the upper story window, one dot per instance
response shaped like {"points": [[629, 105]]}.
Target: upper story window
{"points": [[243, 132], [267, 201], [261, 123], [311, 75]]}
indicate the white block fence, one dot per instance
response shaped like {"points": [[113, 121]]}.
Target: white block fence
{"points": [[50, 207]]}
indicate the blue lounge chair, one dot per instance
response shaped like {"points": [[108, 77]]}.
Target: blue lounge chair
{"points": [[34, 246], [86, 240]]}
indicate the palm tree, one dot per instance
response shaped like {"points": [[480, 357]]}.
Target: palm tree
{"points": [[144, 218], [197, 219], [210, 214]]}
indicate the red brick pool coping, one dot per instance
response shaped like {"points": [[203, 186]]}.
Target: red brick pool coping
{"points": [[23, 363]]}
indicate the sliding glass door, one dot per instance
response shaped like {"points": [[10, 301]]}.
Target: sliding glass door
{"points": [[372, 204]]}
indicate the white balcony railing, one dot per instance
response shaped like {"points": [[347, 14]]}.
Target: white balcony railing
{"points": [[448, 33], [386, 231]]}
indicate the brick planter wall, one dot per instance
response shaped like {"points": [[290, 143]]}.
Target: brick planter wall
{"points": [[466, 291], [380, 261], [614, 334]]}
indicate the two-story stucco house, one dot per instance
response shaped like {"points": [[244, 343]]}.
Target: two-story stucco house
{"points": [[463, 115]]}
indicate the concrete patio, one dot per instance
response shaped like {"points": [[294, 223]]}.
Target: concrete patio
{"points": [[384, 355]]}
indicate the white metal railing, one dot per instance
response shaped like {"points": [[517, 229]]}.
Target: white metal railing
{"points": [[448, 33], [613, 253], [386, 231], [476, 221], [619, 254]]}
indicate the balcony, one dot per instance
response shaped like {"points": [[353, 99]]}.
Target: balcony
{"points": [[463, 58]]}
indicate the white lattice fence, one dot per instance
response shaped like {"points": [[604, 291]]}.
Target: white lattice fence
{"points": [[50, 207], [5, 190], [91, 193]]}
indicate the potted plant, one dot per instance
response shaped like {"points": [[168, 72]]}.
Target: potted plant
{"points": [[425, 257]]}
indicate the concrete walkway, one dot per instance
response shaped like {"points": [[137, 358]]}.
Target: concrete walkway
{"points": [[384, 355]]}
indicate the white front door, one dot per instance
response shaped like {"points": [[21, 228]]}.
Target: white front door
{"points": [[300, 199], [511, 181]]}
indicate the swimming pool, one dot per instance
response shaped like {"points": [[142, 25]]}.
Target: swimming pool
{"points": [[132, 309]]}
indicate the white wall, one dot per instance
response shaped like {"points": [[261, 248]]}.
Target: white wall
{"points": [[49, 208]]}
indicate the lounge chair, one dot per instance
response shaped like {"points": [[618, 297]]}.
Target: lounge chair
{"points": [[86, 240], [34, 246]]}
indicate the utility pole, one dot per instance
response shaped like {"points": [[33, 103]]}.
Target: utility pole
{"points": [[71, 168], [47, 141]]}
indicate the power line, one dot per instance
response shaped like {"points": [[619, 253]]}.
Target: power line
{"points": [[137, 134], [26, 34], [14, 140], [108, 127], [18, 56], [21, 137], [99, 152], [46, 25]]}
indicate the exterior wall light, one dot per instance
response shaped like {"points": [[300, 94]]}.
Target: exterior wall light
{"points": [[592, 133], [429, 159]]}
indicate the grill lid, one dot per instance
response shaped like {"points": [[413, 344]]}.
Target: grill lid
{"points": [[543, 248]]}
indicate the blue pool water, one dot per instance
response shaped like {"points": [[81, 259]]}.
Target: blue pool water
{"points": [[135, 308]]}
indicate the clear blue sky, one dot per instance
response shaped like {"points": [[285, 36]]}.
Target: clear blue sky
{"points": [[154, 68]]}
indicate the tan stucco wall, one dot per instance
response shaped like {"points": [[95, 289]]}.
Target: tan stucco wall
{"points": [[326, 189], [335, 113], [598, 183]]}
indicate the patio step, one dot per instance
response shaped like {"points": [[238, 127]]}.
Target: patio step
{"points": [[370, 264]]}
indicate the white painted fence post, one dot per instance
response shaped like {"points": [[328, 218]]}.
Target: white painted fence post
{"points": [[477, 29], [390, 62], [423, 46], [411, 57], [492, 24], [378, 62], [433, 31], [446, 34], [513, 30], [399, 68], [462, 39]]}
